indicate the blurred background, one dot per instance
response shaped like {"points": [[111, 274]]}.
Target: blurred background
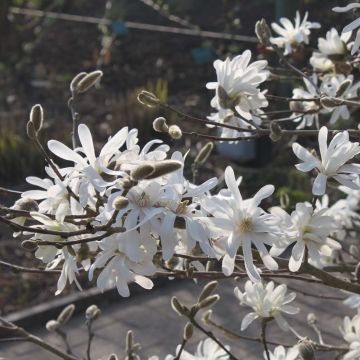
{"points": [[137, 44]]}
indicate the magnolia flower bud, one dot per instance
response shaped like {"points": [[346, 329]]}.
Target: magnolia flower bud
{"points": [[262, 31], [207, 316], [275, 131], [127, 183], [26, 204], [66, 314], [177, 306], [296, 106], [188, 331], [354, 250], [129, 341], [76, 80], [344, 86], [175, 132], [210, 266], [142, 171], [306, 350], [52, 325], [329, 102], [204, 153], [208, 290], [164, 167], [29, 245], [112, 357], [209, 301], [148, 99], [88, 81], [311, 318], [37, 116], [120, 202], [30, 130], [92, 312], [160, 125]]}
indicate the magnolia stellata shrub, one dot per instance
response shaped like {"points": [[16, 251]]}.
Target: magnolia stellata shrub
{"points": [[126, 213]]}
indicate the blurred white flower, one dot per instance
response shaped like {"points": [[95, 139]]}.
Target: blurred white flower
{"points": [[267, 302], [243, 223], [237, 84], [309, 229], [333, 163], [352, 26], [351, 334], [293, 34], [280, 353]]}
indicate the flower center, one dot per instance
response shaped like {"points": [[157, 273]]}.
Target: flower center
{"points": [[245, 225]]}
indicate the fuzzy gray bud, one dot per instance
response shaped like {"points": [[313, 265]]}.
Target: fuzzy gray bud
{"points": [[208, 290], [120, 202], [88, 81], [204, 153], [175, 132], [275, 131], [344, 86], [330, 102], [164, 167], [311, 318], [26, 204], [159, 125], [142, 171], [306, 350], [262, 31], [66, 314], [52, 325], [30, 130], [148, 99], [209, 301], [188, 331], [37, 117], [177, 306], [92, 312], [354, 250], [75, 81], [129, 341], [29, 245], [112, 357], [207, 316]]}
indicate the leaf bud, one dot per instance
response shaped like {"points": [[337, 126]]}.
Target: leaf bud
{"points": [[306, 350], [29, 245], [148, 99], [207, 316], [30, 130], [204, 153], [88, 81], [262, 31], [92, 312], [329, 102], [188, 331], [142, 171], [164, 167], [159, 125], [121, 202], [208, 290], [76, 80], [177, 306], [66, 314], [52, 325], [37, 117], [275, 131], [175, 132], [129, 341]]}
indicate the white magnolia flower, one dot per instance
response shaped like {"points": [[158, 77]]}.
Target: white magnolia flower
{"points": [[293, 34], [243, 223], [207, 349], [351, 334], [309, 229], [333, 163], [321, 62], [267, 302], [334, 44], [352, 26], [311, 108], [237, 84], [280, 353]]}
